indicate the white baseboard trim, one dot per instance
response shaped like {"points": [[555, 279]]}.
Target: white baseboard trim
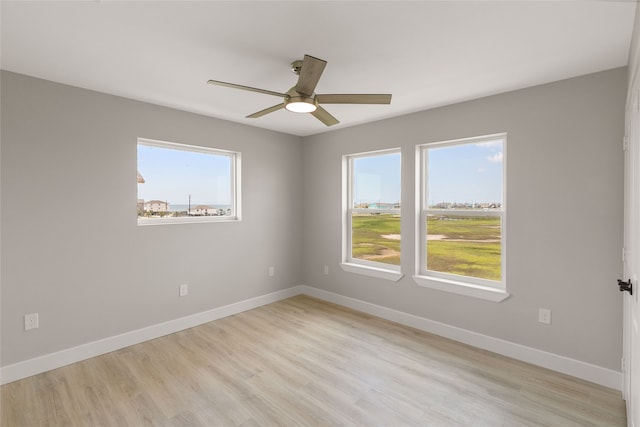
{"points": [[68, 356], [596, 374], [565, 365]]}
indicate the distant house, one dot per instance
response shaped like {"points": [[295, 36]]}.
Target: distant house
{"points": [[203, 210], [156, 206], [383, 205]]}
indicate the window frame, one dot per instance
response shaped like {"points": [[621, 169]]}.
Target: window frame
{"points": [[491, 290], [349, 263], [235, 175]]}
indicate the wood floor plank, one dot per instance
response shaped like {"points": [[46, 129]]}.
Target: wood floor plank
{"points": [[305, 362]]}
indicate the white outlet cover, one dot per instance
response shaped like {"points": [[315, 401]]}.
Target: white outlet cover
{"points": [[183, 290], [31, 321], [544, 316]]}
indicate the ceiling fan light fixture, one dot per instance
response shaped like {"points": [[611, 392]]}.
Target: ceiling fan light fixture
{"points": [[301, 104]]}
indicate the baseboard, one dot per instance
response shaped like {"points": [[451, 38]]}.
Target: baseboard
{"points": [[606, 377], [596, 374], [68, 356]]}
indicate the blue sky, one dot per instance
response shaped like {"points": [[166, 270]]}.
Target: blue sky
{"points": [[457, 173], [465, 173], [172, 175], [376, 178]]}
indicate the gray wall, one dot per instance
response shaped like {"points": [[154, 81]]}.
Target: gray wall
{"points": [[564, 226], [71, 249]]}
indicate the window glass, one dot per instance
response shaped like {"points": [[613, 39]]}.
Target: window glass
{"points": [[185, 183], [376, 237], [374, 209], [376, 181], [463, 211], [465, 245], [466, 176]]}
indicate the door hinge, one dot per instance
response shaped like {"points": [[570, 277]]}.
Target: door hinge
{"points": [[622, 365], [625, 143], [624, 254]]}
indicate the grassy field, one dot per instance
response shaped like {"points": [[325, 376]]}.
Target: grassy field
{"points": [[368, 242], [467, 246]]}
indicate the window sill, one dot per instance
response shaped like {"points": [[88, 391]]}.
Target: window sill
{"points": [[461, 288], [186, 220], [380, 273]]}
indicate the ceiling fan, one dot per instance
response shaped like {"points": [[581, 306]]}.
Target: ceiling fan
{"points": [[302, 99]]}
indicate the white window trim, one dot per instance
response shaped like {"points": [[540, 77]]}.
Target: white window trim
{"points": [[380, 273], [489, 290], [461, 288], [353, 265], [235, 185], [185, 220]]}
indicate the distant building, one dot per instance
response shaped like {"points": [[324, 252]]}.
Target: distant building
{"points": [[485, 206], [201, 210], [383, 205], [156, 206]]}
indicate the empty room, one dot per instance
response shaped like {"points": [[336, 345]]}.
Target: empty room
{"points": [[319, 213]]}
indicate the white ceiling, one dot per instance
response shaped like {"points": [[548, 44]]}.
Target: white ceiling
{"points": [[425, 53]]}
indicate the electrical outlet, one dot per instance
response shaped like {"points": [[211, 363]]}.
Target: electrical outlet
{"points": [[544, 316], [31, 321], [272, 271], [326, 270], [183, 290]]}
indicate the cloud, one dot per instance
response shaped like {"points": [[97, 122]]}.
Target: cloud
{"points": [[496, 158], [481, 170], [490, 144]]}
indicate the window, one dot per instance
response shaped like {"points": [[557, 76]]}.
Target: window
{"points": [[462, 216], [371, 229], [181, 183]]}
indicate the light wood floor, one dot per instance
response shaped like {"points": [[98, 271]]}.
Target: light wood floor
{"points": [[305, 362]]}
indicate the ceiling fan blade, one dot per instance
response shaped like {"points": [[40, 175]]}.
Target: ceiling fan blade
{"points": [[251, 89], [324, 116], [344, 98], [266, 111], [310, 73]]}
